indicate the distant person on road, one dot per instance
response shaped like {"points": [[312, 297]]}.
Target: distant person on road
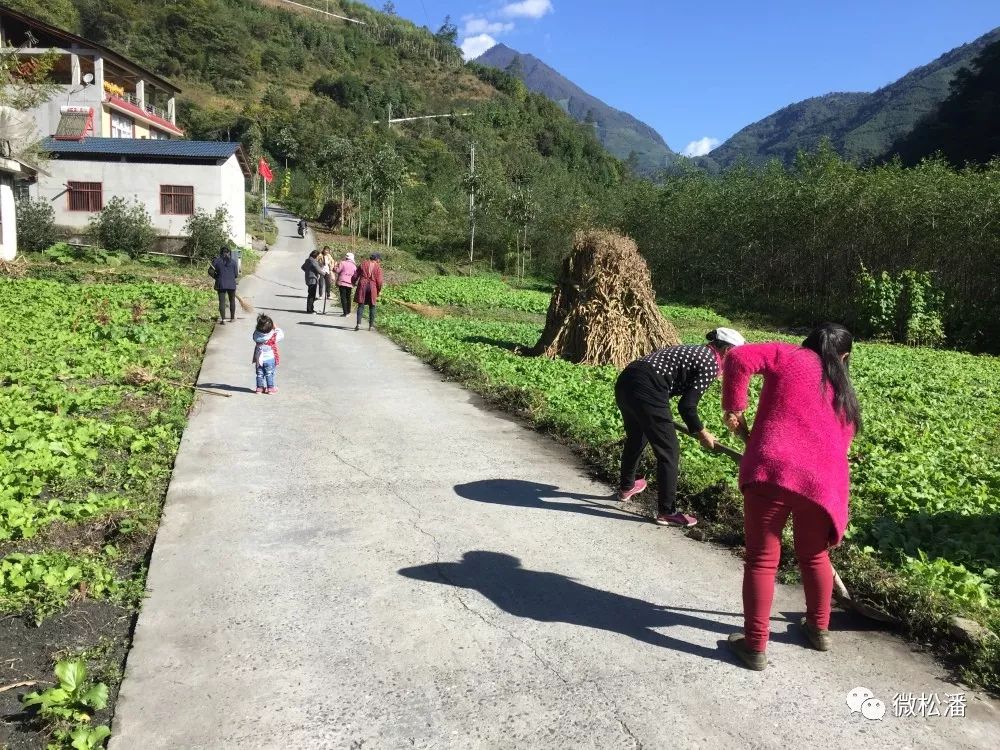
{"points": [[643, 394], [265, 353], [328, 262], [795, 465], [344, 272], [302, 225], [323, 284], [369, 280], [312, 271], [225, 270]]}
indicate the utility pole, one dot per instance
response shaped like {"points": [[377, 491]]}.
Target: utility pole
{"points": [[472, 203]]}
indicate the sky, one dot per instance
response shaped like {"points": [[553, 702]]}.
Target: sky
{"points": [[699, 72]]}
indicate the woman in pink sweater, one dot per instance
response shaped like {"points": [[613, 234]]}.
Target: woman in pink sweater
{"points": [[795, 465]]}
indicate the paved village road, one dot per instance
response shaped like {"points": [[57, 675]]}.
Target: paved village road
{"points": [[370, 559]]}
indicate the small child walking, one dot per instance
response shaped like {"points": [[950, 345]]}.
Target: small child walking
{"points": [[265, 353]]}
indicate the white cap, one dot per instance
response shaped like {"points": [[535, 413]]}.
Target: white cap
{"points": [[727, 336], [350, 257]]}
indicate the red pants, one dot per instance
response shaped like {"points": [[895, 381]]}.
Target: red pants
{"points": [[766, 509]]}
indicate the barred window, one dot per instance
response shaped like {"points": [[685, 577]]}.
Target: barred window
{"points": [[85, 196], [176, 199]]}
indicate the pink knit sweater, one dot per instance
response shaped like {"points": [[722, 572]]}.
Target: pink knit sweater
{"points": [[798, 441]]}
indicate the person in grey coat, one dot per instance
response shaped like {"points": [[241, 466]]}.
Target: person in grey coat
{"points": [[225, 269], [312, 270]]}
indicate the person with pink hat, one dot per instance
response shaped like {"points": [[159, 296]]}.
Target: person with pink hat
{"points": [[344, 271]]}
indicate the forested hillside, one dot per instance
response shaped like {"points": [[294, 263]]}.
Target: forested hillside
{"points": [[861, 126], [305, 90], [965, 127], [622, 134]]}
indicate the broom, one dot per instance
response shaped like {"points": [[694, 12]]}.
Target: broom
{"points": [[139, 377], [840, 592]]}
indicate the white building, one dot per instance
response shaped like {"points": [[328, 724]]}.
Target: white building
{"points": [[170, 178], [11, 171]]}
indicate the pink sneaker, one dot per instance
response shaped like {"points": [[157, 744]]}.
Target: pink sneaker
{"points": [[675, 519], [626, 495], [259, 390], [271, 390]]}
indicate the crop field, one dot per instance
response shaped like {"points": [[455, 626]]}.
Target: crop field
{"points": [[84, 462], [925, 471]]}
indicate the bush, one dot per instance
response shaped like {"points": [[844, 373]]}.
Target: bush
{"points": [[36, 225], [123, 227], [206, 232], [904, 308]]}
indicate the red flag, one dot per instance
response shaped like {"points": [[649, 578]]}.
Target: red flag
{"points": [[264, 171]]}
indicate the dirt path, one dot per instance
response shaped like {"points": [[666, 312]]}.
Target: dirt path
{"points": [[371, 559]]}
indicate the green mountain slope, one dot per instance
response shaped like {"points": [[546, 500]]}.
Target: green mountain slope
{"points": [[861, 126], [312, 93], [621, 133], [965, 127]]}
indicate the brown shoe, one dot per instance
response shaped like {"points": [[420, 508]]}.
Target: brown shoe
{"points": [[820, 639], [755, 660]]}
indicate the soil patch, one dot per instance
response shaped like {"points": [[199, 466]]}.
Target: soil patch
{"points": [[30, 653]]}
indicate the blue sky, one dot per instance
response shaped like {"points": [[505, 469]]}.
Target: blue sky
{"points": [[698, 72]]}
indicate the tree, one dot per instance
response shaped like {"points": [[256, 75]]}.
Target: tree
{"points": [[448, 33], [389, 8]]}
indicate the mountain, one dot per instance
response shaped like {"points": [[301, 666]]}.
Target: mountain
{"points": [[861, 125], [621, 133], [964, 128]]}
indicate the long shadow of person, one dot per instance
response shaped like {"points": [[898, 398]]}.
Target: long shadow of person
{"points": [[551, 597], [523, 494]]}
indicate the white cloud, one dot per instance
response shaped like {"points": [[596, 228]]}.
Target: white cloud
{"points": [[475, 26], [701, 146], [473, 46], [527, 9]]}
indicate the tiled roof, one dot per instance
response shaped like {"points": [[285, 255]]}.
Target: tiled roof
{"points": [[152, 147]]}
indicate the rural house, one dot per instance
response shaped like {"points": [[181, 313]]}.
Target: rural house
{"points": [[111, 132], [100, 92], [170, 178]]}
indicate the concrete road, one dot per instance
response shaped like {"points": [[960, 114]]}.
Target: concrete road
{"points": [[370, 559]]}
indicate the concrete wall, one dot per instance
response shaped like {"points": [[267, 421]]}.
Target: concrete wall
{"points": [[47, 114], [214, 186], [8, 234]]}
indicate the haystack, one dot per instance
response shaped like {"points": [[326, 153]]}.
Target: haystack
{"points": [[603, 310]]}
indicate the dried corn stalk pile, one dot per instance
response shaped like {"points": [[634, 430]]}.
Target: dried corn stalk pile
{"points": [[603, 310]]}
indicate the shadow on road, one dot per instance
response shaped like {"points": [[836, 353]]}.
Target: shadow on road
{"points": [[275, 309], [551, 597], [225, 387], [519, 493], [324, 325]]}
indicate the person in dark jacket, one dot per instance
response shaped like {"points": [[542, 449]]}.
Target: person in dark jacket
{"points": [[225, 269], [643, 393], [312, 271]]}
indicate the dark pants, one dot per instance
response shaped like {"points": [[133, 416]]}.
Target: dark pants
{"points": [[345, 299], [311, 298], [223, 293], [323, 287], [371, 314], [644, 401]]}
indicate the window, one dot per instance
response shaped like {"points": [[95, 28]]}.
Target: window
{"points": [[176, 199], [85, 196], [158, 135], [121, 126]]}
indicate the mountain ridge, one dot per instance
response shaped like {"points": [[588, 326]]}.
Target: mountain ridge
{"points": [[620, 132], [861, 125]]}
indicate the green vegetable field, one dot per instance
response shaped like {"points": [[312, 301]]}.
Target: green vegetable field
{"points": [[84, 456], [925, 472]]}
